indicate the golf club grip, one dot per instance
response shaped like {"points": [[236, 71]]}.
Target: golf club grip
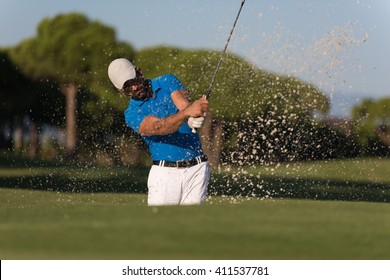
{"points": [[208, 94]]}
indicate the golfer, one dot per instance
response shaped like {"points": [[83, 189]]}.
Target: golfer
{"points": [[161, 112]]}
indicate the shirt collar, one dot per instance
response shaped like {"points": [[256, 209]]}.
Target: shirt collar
{"points": [[155, 87]]}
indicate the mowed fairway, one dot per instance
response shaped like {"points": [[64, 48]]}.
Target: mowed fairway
{"points": [[40, 224]]}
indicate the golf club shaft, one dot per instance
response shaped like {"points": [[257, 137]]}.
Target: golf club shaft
{"points": [[208, 92]]}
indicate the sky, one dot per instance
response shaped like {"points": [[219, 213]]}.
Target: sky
{"points": [[340, 46]]}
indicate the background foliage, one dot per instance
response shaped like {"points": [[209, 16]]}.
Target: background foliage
{"points": [[256, 117]]}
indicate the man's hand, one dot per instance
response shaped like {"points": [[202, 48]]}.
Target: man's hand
{"points": [[155, 126], [198, 108], [195, 123]]}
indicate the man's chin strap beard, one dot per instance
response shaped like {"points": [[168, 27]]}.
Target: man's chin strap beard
{"points": [[145, 93]]}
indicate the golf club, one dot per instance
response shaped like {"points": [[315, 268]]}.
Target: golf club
{"points": [[208, 92]]}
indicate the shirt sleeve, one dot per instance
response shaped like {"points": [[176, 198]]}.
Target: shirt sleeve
{"points": [[173, 83], [134, 117]]}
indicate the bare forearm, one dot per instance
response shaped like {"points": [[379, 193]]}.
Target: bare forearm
{"points": [[168, 125], [155, 126]]}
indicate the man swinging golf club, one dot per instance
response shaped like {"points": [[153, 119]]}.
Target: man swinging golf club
{"points": [[161, 112]]}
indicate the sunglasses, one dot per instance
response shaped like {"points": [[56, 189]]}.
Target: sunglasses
{"points": [[128, 85]]}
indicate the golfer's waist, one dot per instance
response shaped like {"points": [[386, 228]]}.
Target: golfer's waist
{"points": [[181, 163]]}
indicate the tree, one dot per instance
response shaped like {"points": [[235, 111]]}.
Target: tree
{"points": [[12, 105], [372, 125], [74, 51]]}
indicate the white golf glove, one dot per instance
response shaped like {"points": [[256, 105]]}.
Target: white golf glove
{"points": [[195, 123]]}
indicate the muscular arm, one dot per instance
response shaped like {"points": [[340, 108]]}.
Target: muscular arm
{"points": [[155, 126], [181, 99]]}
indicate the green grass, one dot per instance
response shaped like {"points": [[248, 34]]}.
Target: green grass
{"points": [[101, 213], [369, 170], [49, 225], [364, 179]]}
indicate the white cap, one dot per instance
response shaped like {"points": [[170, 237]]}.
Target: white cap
{"points": [[121, 70]]}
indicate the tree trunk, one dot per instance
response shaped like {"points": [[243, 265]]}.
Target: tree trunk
{"points": [[18, 133], [217, 144], [205, 134], [6, 132], [70, 92], [212, 137], [33, 147]]}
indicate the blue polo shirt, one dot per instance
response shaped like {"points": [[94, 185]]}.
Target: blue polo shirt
{"points": [[180, 145]]}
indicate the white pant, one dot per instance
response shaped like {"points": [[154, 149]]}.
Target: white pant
{"points": [[174, 186]]}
